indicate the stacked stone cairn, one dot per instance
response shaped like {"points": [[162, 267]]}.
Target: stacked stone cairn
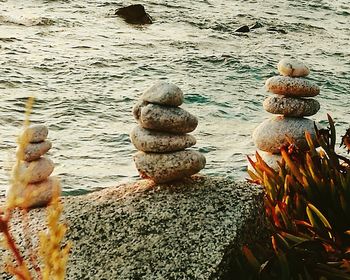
{"points": [[34, 170], [161, 135], [291, 102]]}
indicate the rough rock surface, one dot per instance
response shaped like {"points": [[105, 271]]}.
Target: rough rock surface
{"points": [[134, 14], [169, 166], [292, 68], [36, 133], [160, 142], [291, 107], [189, 230], [164, 93], [274, 133], [34, 151], [297, 87], [168, 119]]}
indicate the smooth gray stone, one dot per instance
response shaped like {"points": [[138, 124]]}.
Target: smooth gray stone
{"points": [[160, 142], [35, 171], [34, 151], [291, 107], [295, 87], [274, 133], [192, 229], [35, 133], [292, 68], [170, 166], [167, 119], [164, 93], [136, 110]]}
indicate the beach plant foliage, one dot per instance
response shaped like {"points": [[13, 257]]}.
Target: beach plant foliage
{"points": [[307, 202]]}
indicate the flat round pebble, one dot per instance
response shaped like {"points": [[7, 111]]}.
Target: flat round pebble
{"points": [[36, 171], [167, 119], [292, 68], [274, 133], [36, 194], [164, 93], [168, 167], [296, 87], [36, 133], [290, 106], [34, 151], [160, 142]]}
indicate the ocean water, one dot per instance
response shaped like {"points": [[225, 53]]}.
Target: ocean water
{"points": [[86, 68]]}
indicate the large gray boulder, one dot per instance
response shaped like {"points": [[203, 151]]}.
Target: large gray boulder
{"points": [[279, 131], [186, 230]]}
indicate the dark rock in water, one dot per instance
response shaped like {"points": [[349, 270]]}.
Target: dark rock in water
{"points": [[256, 25], [274, 29], [134, 14], [243, 29]]}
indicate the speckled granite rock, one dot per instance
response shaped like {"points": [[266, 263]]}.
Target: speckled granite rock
{"points": [[36, 133], [164, 93], [189, 230], [274, 133], [160, 142], [168, 119], [297, 87], [291, 107], [169, 166]]}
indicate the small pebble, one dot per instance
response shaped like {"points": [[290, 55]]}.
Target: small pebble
{"points": [[164, 93]]}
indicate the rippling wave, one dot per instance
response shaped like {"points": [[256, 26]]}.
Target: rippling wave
{"points": [[86, 68]]}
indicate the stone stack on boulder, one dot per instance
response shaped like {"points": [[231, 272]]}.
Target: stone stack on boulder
{"points": [[291, 103], [162, 135], [33, 185]]}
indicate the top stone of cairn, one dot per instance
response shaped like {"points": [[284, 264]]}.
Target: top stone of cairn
{"points": [[35, 133], [164, 93], [292, 68]]}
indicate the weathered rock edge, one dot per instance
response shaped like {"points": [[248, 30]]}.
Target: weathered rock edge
{"points": [[186, 230]]}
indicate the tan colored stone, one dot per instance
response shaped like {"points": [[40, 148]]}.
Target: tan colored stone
{"points": [[36, 194], [34, 151], [274, 133], [169, 166], [295, 87], [164, 93], [160, 142], [167, 119], [290, 106], [36, 133], [292, 68], [35, 171]]}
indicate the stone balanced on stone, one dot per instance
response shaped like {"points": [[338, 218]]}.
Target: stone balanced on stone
{"points": [[35, 170], [291, 102], [161, 135]]}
